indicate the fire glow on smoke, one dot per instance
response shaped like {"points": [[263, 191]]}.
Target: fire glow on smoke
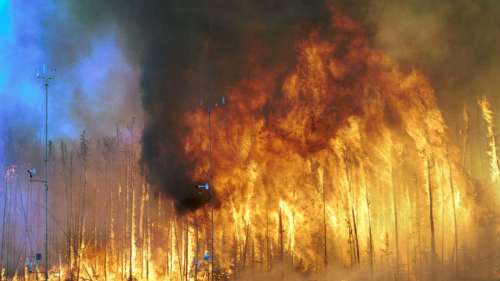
{"points": [[344, 125], [341, 159]]}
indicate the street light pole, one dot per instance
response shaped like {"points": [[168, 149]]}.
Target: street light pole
{"points": [[46, 78]]}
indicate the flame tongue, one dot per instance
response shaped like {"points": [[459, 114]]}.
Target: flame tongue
{"points": [[346, 122]]}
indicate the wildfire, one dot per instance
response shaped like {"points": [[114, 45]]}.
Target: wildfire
{"points": [[347, 122], [343, 159], [487, 115]]}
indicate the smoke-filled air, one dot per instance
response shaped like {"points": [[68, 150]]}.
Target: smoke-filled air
{"points": [[249, 140]]}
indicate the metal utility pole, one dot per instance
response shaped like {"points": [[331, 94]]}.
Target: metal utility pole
{"points": [[207, 186], [211, 192], [46, 77]]}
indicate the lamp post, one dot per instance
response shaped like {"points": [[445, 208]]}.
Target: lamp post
{"points": [[46, 77]]}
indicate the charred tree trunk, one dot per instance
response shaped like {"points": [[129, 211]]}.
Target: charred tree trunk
{"points": [[455, 242], [370, 236], [325, 246], [280, 222], [431, 215], [396, 226]]}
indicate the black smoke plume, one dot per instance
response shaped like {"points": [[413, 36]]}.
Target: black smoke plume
{"points": [[190, 51]]}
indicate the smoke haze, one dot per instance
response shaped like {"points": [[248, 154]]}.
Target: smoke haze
{"points": [[179, 55], [154, 61]]}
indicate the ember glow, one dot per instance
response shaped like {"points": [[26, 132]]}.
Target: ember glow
{"points": [[336, 162]]}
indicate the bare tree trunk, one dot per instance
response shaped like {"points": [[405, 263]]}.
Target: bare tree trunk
{"points": [[148, 234], [60, 268], [132, 235], [142, 229], [325, 249], [370, 236], [245, 247], [396, 226], [2, 248], [84, 158], [268, 247], [455, 247], [356, 240], [197, 250], [352, 248], [185, 255], [418, 246], [280, 229], [431, 217], [354, 231]]}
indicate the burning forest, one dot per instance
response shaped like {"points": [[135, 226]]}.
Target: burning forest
{"points": [[286, 141]]}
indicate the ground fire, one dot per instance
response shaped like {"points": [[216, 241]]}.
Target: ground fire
{"points": [[336, 166]]}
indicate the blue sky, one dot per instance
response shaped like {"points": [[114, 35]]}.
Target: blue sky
{"points": [[96, 87]]}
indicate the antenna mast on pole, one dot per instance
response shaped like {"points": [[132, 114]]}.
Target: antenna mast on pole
{"points": [[46, 77]]}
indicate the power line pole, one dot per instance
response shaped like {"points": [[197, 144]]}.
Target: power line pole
{"points": [[46, 77]]}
